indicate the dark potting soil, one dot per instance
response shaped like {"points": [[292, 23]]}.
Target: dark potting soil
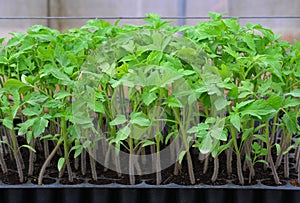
{"points": [[101, 181], [12, 178], [109, 176], [76, 181], [294, 182], [46, 181], [271, 182]]}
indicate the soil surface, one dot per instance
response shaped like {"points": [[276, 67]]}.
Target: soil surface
{"points": [[105, 176]]}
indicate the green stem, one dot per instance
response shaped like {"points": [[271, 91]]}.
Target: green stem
{"points": [[66, 147], [131, 162], [238, 156], [186, 146], [269, 156]]}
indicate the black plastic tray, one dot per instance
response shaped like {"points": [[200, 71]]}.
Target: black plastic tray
{"points": [[145, 193]]}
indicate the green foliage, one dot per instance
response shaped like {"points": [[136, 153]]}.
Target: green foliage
{"points": [[242, 78]]}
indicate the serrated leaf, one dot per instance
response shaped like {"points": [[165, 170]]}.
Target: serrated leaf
{"points": [[172, 101], [39, 126], [215, 16], [24, 126]]}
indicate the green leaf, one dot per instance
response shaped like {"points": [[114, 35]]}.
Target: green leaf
{"points": [[120, 119], [278, 148], [60, 163], [29, 136], [53, 104], [248, 158], [246, 133], [235, 120], [290, 121], [148, 98], [8, 123], [122, 134], [28, 147], [215, 16], [24, 126], [220, 103], [139, 118], [146, 143], [78, 149], [232, 24], [181, 156], [243, 104], [34, 98], [249, 41], [295, 93], [99, 107], [263, 161], [47, 137], [172, 101], [39, 126], [258, 109], [289, 149], [275, 101], [291, 102], [260, 137], [206, 145], [61, 94], [14, 84], [33, 111]]}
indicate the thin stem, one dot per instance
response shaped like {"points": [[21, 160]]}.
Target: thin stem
{"points": [[216, 169], [17, 154], [188, 155], [238, 156], [83, 162], [229, 161], [206, 162], [47, 162], [31, 159], [131, 162], [269, 156], [76, 163], [2, 163], [93, 168], [46, 148]]}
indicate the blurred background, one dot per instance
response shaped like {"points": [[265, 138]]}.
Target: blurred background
{"points": [[289, 26]]}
